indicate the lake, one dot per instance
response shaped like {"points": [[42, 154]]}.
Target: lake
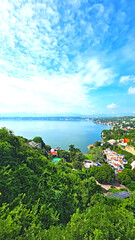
{"points": [[58, 133]]}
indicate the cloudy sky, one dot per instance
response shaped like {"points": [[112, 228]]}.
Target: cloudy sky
{"points": [[73, 56]]}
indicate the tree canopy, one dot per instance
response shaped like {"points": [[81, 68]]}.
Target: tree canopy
{"points": [[42, 200]]}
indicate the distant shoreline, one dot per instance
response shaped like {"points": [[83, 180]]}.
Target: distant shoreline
{"points": [[48, 118]]}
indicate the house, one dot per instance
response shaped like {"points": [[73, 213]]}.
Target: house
{"points": [[125, 129], [34, 144], [53, 152], [57, 148], [112, 141], [115, 160], [88, 163], [133, 165], [116, 166], [126, 140], [124, 161], [91, 145], [123, 144]]}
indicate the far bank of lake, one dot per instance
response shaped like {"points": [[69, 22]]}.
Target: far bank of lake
{"points": [[81, 133]]}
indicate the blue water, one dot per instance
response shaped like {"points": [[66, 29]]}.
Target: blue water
{"points": [[58, 133]]}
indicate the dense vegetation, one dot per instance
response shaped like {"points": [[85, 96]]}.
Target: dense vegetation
{"points": [[117, 134], [42, 200]]}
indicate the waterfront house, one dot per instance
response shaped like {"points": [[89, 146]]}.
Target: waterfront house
{"points": [[57, 148], [53, 152], [91, 145]]}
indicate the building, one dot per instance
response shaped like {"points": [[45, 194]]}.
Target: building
{"points": [[53, 152], [57, 148], [88, 163], [112, 142], [91, 145], [34, 144], [133, 165], [123, 144], [116, 161], [120, 195], [126, 140]]}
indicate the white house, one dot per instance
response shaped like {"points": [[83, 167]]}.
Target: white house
{"points": [[133, 165]]}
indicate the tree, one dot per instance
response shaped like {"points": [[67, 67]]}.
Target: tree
{"points": [[88, 189], [103, 174], [123, 178], [39, 140], [64, 154], [99, 156], [71, 148], [97, 144]]}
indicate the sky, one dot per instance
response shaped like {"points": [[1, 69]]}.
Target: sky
{"points": [[67, 57]]}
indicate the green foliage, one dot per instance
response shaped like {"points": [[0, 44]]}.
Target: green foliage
{"points": [[101, 222], [89, 156], [127, 166], [103, 174], [115, 190], [76, 157], [88, 189], [131, 186], [64, 154], [107, 145], [42, 200], [123, 178], [44, 146], [96, 154], [97, 144], [126, 176]]}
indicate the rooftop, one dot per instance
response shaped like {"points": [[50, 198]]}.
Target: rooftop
{"points": [[120, 195]]}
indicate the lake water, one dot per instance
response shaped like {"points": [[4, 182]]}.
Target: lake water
{"points": [[58, 133]]}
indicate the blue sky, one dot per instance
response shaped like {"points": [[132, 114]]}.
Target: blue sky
{"points": [[66, 57]]}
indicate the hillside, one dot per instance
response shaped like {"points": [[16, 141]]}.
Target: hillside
{"points": [[42, 200]]}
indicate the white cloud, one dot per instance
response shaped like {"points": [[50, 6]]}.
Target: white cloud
{"points": [[94, 73], [52, 92], [133, 111], [127, 79], [131, 90], [47, 55], [43, 94], [113, 105]]}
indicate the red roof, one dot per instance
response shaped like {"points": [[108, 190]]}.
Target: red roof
{"points": [[120, 161], [126, 140], [53, 153]]}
